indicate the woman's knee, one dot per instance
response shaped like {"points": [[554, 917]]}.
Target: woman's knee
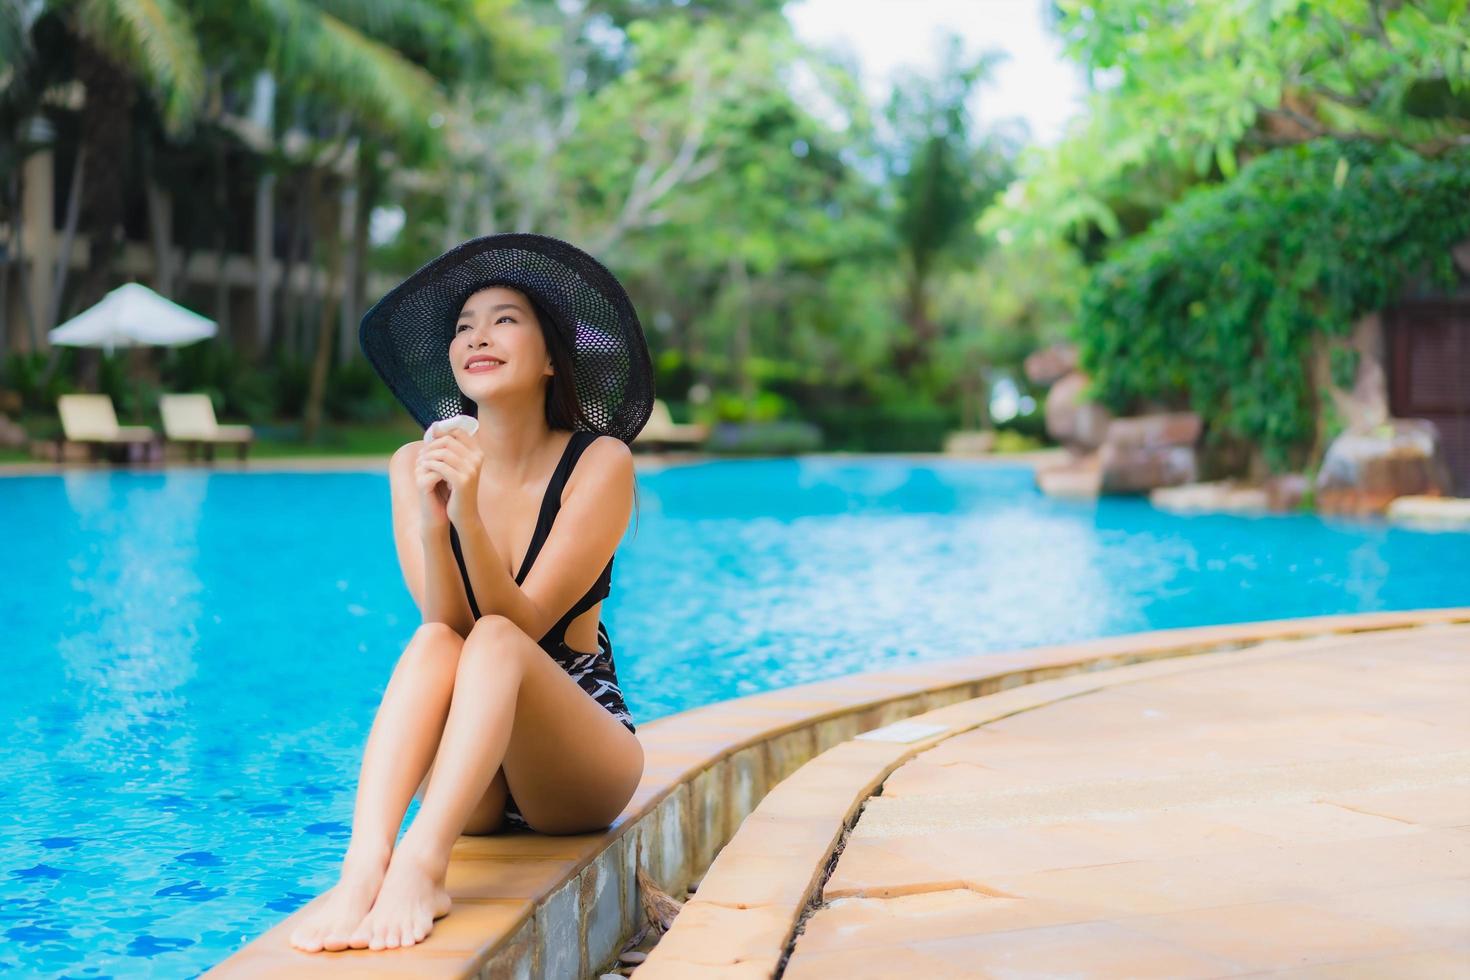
{"points": [[432, 643], [436, 634], [491, 626], [493, 637]]}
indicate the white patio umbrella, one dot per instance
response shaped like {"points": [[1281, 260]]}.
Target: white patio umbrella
{"points": [[132, 315]]}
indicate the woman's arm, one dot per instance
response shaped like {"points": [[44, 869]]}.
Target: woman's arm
{"points": [[597, 502], [425, 555]]}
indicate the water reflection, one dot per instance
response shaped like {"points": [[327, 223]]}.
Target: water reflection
{"points": [[127, 642]]}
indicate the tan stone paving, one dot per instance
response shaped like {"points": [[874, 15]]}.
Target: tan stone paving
{"points": [[786, 771], [1300, 809]]}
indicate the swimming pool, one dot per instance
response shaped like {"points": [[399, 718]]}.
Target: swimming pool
{"points": [[195, 659]]}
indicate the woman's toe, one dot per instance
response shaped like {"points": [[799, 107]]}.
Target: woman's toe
{"points": [[308, 939]]}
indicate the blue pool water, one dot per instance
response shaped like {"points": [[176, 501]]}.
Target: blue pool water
{"points": [[194, 660]]}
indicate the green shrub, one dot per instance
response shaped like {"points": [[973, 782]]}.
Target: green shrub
{"points": [[672, 372], [767, 406], [764, 438], [1220, 301], [237, 388], [25, 374], [904, 427], [1011, 441], [355, 393]]}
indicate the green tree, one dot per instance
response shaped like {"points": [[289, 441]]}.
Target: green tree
{"points": [[1187, 91], [942, 172], [1223, 303]]}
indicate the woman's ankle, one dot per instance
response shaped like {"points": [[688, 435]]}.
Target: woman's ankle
{"points": [[430, 855], [363, 855]]}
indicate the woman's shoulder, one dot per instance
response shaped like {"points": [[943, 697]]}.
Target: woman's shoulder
{"points": [[405, 456], [608, 459], [608, 445], [607, 452]]}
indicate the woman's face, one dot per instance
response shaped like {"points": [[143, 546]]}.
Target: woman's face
{"points": [[497, 323]]}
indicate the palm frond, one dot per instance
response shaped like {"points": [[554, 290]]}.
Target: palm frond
{"points": [[155, 40], [317, 51], [12, 40], [396, 20]]}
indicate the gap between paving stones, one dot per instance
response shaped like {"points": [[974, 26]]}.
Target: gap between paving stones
{"points": [[816, 902]]}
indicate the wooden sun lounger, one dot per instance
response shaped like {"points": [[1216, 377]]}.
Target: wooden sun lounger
{"points": [[90, 420], [662, 429], [188, 419]]}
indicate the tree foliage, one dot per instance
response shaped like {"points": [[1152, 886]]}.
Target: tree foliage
{"points": [[1187, 91], [1217, 305]]}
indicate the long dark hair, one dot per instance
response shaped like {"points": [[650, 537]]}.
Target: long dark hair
{"points": [[563, 407]]}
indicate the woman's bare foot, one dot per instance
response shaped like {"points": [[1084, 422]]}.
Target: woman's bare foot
{"points": [[331, 925], [411, 898]]}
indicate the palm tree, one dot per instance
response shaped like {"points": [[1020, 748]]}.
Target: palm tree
{"points": [[187, 55], [942, 177]]}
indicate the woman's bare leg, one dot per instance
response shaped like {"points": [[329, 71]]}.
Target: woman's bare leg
{"points": [[399, 749], [489, 814], [572, 765]]}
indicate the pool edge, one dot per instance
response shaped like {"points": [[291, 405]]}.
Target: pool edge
{"points": [[564, 906]]}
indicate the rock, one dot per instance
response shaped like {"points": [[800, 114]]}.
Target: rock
{"points": [[1050, 364], [1139, 469], [1147, 451], [1364, 405], [1461, 255], [11, 434], [1076, 478], [1362, 472], [1426, 511], [1280, 493], [973, 442], [1284, 491], [1075, 423], [1222, 496], [632, 956], [1155, 431]]}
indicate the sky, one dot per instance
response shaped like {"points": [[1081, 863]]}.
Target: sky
{"points": [[1034, 83]]}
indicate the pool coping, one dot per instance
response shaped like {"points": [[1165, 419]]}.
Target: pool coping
{"points": [[747, 916], [532, 905]]}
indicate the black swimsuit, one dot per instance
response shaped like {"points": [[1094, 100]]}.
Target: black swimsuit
{"points": [[594, 672]]}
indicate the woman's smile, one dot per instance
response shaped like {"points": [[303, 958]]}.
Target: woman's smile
{"points": [[481, 364]]}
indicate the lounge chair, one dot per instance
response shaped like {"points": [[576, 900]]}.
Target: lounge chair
{"points": [[189, 420], [662, 428], [90, 420]]}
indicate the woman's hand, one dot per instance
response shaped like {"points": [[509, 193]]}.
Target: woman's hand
{"points": [[433, 496], [452, 461]]}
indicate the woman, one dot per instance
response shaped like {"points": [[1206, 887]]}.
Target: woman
{"points": [[504, 708]]}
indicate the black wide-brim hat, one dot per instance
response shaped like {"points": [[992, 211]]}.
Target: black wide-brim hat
{"points": [[406, 334]]}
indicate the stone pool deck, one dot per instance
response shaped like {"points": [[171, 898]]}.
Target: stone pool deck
{"points": [[1289, 796]]}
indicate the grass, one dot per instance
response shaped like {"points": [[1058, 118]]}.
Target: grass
{"points": [[283, 439], [360, 439]]}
